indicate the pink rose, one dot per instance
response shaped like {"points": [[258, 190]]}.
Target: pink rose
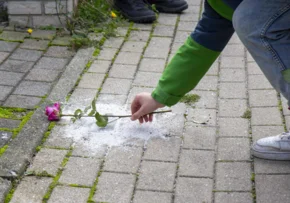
{"points": [[53, 112]]}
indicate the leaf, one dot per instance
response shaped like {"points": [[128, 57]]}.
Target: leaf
{"points": [[93, 111], [102, 121], [78, 113]]}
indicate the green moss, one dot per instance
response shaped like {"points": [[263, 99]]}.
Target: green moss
{"points": [[25, 119], [247, 114], [10, 112], [190, 99], [51, 125], [38, 148], [3, 149], [280, 105], [253, 177], [80, 186], [9, 196], [96, 52], [94, 188]]}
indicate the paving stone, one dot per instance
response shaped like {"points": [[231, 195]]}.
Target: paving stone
{"points": [[197, 137], [32, 88], [57, 138], [207, 99], [175, 46], [82, 96], [142, 27], [107, 53], [232, 75], [233, 127], [193, 9], [122, 31], [213, 70], [35, 44], [181, 36], [233, 197], [43, 34], [112, 99], [132, 46], [259, 82], [285, 106], [254, 69], [114, 42], [10, 78], [136, 35], [26, 55], [99, 66], [5, 186], [112, 86], [170, 57], [136, 90], [207, 83], [5, 90], [249, 57], [59, 52], [287, 121], [158, 48], [151, 197], [48, 160], [13, 36], [4, 139], [157, 176], [19, 101], [193, 190], [62, 41], [163, 149], [232, 107], [82, 150], [31, 189], [186, 26], [91, 80], [234, 50], [81, 171], [148, 79], [16, 66], [120, 159], [9, 123], [234, 149], [260, 116], [164, 30], [62, 194], [272, 188], [52, 63], [233, 176], [3, 56], [232, 90], [123, 71], [196, 163], [167, 19], [259, 98], [232, 62], [128, 58], [263, 166], [189, 17], [235, 39], [37, 74], [152, 65], [8, 46], [202, 115], [114, 187], [259, 132]]}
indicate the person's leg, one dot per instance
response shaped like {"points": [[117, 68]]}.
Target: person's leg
{"points": [[263, 27]]}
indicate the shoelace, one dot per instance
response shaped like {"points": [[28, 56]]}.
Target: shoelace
{"points": [[285, 135], [137, 4]]}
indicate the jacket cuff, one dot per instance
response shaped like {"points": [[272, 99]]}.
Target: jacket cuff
{"points": [[164, 98]]}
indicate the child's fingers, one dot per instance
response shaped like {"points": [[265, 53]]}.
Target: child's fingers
{"points": [[145, 117], [150, 117]]}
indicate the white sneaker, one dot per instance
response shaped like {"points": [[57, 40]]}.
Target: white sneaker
{"points": [[274, 148]]}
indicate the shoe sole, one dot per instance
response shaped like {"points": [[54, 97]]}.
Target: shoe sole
{"points": [[280, 156], [171, 10]]}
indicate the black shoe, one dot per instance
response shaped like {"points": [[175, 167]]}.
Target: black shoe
{"points": [[169, 6], [136, 10]]}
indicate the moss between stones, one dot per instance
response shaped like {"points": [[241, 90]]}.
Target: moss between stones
{"points": [[25, 119], [247, 114], [94, 188], [10, 112], [3, 149], [190, 99], [9, 196]]}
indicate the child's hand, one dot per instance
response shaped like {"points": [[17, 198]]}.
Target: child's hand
{"points": [[142, 105]]}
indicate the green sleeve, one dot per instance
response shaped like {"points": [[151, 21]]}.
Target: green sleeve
{"points": [[221, 8], [184, 71]]}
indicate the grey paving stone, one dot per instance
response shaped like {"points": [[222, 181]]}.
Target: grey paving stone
{"points": [[232, 90], [234, 50], [107, 53], [120, 159], [214, 69], [259, 82], [114, 42], [16, 66], [249, 57], [259, 98], [123, 71], [4, 139], [3, 56], [35, 44], [19, 101], [208, 99], [26, 55], [232, 107], [122, 31], [233, 127], [194, 3], [112, 86], [48, 160], [13, 36], [233, 176], [158, 48], [196, 163], [232, 75], [81, 171], [189, 17], [152, 65], [52, 63], [82, 96], [56, 138], [259, 132], [62, 194], [151, 197], [287, 121], [193, 9], [207, 83], [272, 188], [263, 166], [112, 99], [254, 69], [133, 46], [157, 176], [202, 115], [170, 57], [100, 66], [59, 52], [5, 90], [260, 116], [136, 35], [235, 39], [186, 26], [114, 187], [164, 31], [163, 149], [43, 34], [32, 88], [167, 19], [8, 46], [61, 41], [232, 62], [136, 90], [175, 46], [233, 197], [193, 190], [181, 36], [5, 186], [37, 74], [9, 123], [197, 137], [148, 79], [142, 27], [82, 150], [128, 58], [286, 111], [91, 80], [31, 189], [234, 149], [10, 78]]}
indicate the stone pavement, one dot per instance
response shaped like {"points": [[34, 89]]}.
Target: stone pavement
{"points": [[197, 163]]}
